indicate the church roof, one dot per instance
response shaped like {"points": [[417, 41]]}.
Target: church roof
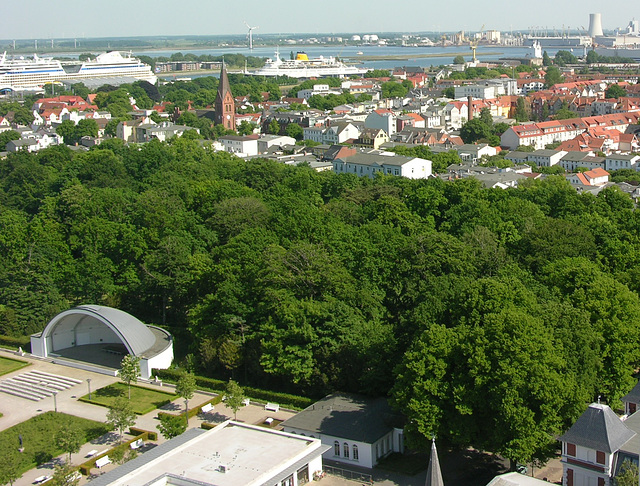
{"points": [[224, 86], [434, 475], [599, 428]]}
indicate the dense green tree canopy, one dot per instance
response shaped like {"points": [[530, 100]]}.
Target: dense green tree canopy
{"points": [[490, 317]]}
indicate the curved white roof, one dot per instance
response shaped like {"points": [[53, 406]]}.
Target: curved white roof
{"points": [[135, 335]]}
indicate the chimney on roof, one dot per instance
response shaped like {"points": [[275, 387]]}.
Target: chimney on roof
{"points": [[470, 102]]}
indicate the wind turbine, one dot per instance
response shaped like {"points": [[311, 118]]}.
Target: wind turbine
{"points": [[250, 35]]}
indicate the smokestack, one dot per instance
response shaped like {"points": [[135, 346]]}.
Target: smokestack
{"points": [[470, 102], [595, 25]]}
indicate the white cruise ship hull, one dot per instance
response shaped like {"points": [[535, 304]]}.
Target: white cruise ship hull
{"points": [[21, 74]]}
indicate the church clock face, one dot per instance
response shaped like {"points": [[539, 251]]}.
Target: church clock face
{"points": [[228, 117]]}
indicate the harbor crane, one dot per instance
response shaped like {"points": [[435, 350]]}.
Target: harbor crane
{"points": [[250, 35]]}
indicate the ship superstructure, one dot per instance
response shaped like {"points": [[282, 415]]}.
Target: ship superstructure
{"points": [[303, 67], [29, 73]]}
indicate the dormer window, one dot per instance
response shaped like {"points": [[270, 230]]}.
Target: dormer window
{"points": [[571, 449], [600, 457]]}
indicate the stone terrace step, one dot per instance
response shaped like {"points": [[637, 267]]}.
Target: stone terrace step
{"points": [[19, 393], [56, 378]]}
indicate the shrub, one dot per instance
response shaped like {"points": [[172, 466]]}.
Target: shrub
{"points": [[285, 400], [23, 342]]}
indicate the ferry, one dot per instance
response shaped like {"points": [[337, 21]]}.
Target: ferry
{"points": [[30, 73], [303, 67]]}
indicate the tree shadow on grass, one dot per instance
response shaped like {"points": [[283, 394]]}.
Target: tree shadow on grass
{"points": [[42, 457], [110, 391]]}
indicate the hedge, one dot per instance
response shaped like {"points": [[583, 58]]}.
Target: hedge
{"points": [[23, 342], [193, 411], [150, 434], [85, 467], [207, 425], [285, 400]]}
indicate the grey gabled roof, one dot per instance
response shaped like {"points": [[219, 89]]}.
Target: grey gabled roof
{"points": [[348, 416], [633, 396], [599, 428], [434, 475]]}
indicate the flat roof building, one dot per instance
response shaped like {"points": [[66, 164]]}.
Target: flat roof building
{"points": [[230, 454]]}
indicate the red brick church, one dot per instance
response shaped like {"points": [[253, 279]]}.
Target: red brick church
{"points": [[225, 106]]}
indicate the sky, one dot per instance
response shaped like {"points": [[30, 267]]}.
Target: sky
{"points": [[40, 19]]}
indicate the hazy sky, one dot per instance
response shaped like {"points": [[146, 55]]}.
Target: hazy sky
{"points": [[28, 19]]}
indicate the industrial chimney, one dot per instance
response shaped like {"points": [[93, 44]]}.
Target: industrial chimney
{"points": [[470, 107], [595, 25]]}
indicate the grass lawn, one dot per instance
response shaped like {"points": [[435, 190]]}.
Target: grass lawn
{"points": [[7, 365], [144, 400], [38, 436]]}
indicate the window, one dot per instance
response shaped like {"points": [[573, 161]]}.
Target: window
{"points": [[600, 481], [571, 449], [600, 457], [336, 448], [569, 477], [345, 450], [355, 452]]}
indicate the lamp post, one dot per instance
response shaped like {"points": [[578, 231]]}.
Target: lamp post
{"points": [[55, 401], [89, 385]]}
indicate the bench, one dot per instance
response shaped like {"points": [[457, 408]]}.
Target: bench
{"points": [[206, 408], [272, 407], [246, 402], [268, 421], [91, 453], [103, 461], [136, 444]]}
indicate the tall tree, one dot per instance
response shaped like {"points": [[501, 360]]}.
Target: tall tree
{"points": [[186, 388], [129, 370], [121, 415], [234, 397], [69, 440]]}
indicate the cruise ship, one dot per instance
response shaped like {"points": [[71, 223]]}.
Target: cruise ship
{"points": [[303, 67], [32, 73]]}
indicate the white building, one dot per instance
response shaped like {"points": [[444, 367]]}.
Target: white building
{"points": [[595, 447], [354, 429], [239, 145], [336, 133], [318, 89], [370, 164], [231, 454], [545, 157], [265, 142], [573, 160], [620, 161]]}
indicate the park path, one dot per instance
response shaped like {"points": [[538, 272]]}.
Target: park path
{"points": [[16, 410]]}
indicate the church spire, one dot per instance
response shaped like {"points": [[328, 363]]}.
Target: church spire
{"points": [[225, 110], [434, 475]]}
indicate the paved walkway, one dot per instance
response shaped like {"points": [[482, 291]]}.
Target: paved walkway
{"points": [[16, 410]]}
